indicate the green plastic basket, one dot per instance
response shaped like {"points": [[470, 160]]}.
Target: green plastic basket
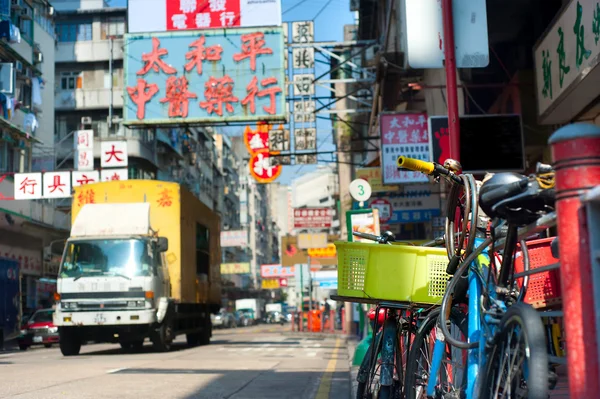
{"points": [[400, 273]]}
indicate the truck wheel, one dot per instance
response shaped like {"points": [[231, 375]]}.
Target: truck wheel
{"points": [[193, 339], [70, 342], [206, 334], [163, 337], [23, 347]]}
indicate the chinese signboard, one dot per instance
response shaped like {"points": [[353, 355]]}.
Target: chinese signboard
{"points": [[373, 177], [82, 178], [305, 139], [313, 218], [57, 185], [261, 164], [306, 159], [173, 15], [113, 154], [208, 76], [403, 134], [415, 205], [425, 33], [113, 174], [303, 57], [28, 186], [270, 284], [303, 84], [235, 268], [276, 271], [328, 252], [84, 149], [279, 140], [312, 240], [292, 255], [304, 111], [384, 207], [303, 32], [564, 59], [234, 238]]}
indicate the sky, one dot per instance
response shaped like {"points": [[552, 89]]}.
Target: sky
{"points": [[329, 18]]}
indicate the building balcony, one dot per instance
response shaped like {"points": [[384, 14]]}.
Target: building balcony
{"points": [[88, 51], [82, 99]]}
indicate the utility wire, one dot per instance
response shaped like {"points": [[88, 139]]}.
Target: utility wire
{"points": [[294, 6], [322, 9]]}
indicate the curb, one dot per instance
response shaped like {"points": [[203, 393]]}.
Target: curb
{"points": [[351, 345]]}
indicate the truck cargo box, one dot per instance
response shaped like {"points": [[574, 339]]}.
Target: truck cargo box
{"points": [[192, 228]]}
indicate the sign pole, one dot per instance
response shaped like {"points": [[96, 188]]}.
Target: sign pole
{"points": [[451, 90], [301, 294], [309, 287]]}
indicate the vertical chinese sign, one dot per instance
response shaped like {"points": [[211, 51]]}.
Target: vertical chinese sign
{"points": [[84, 149], [210, 76], [113, 155], [403, 134], [261, 164]]}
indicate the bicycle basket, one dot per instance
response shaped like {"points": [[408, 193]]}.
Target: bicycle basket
{"points": [[400, 273]]}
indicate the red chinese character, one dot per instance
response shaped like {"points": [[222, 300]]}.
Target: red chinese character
{"points": [[56, 185], [218, 91], [83, 159], [154, 60], [31, 183], [141, 94], [83, 139], [253, 91], [115, 176], [178, 96], [86, 197], [113, 154], [201, 53], [84, 180], [252, 46], [165, 199]]}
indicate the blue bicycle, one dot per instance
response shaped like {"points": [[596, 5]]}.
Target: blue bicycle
{"points": [[505, 351]]}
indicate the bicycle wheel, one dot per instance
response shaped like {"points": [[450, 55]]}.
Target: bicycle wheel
{"points": [[364, 371], [518, 361], [452, 376]]}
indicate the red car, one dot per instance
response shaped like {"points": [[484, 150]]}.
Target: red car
{"points": [[39, 330]]}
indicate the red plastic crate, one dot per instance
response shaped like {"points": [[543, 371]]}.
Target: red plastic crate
{"points": [[543, 289]]}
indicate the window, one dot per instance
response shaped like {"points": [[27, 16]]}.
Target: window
{"points": [[74, 31], [7, 157], [23, 94], [115, 80], [71, 80], [25, 25], [113, 27], [202, 249]]}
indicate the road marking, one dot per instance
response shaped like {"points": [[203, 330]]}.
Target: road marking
{"points": [[311, 354], [116, 370], [325, 384]]}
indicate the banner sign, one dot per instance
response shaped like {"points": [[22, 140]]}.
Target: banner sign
{"points": [[274, 271], [313, 218], [373, 177], [270, 284], [235, 268], [176, 15], [211, 76], [403, 134], [234, 238]]}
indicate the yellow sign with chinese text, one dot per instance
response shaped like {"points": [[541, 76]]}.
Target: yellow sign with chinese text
{"points": [[235, 268], [270, 284], [328, 252], [373, 177]]}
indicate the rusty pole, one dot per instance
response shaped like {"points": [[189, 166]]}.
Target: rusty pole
{"points": [[451, 89]]}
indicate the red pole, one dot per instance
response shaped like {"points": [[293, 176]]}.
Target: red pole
{"points": [[576, 156], [451, 90]]}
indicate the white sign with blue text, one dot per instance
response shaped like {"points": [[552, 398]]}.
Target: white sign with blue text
{"points": [[416, 204]]}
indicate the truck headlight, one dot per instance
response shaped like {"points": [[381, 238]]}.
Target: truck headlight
{"points": [[141, 304], [53, 330], [23, 332], [68, 305], [131, 304]]}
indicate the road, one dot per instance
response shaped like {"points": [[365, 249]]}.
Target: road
{"points": [[244, 363]]}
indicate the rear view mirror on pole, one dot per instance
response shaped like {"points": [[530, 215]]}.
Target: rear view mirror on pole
{"points": [[163, 244]]}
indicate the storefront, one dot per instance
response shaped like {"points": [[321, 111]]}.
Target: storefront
{"points": [[566, 66]]}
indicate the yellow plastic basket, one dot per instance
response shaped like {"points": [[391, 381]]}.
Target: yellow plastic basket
{"points": [[400, 273]]}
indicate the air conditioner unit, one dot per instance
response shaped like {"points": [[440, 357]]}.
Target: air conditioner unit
{"points": [[86, 120], [19, 66], [50, 11], [38, 58]]}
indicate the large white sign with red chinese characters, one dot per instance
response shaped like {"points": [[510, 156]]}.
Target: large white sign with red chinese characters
{"points": [[28, 186], [313, 218], [83, 178], [84, 149], [113, 154], [113, 174], [403, 134], [57, 184], [174, 15]]}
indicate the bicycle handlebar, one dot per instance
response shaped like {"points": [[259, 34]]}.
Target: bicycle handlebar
{"points": [[366, 236], [416, 165]]}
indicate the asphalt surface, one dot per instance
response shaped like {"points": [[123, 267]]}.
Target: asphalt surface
{"points": [[253, 362]]}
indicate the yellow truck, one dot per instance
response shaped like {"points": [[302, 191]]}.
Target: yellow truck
{"points": [[142, 261]]}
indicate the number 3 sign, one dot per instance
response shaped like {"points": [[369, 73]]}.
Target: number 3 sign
{"points": [[360, 190]]}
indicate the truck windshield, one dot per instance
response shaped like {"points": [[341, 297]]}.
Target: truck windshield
{"points": [[126, 258]]}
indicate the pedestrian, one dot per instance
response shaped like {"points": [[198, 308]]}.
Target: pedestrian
{"points": [[326, 313]]}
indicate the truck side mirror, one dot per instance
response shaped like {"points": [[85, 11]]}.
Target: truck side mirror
{"points": [[163, 244]]}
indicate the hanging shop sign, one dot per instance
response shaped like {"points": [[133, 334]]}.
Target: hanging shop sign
{"points": [[328, 252], [270, 284], [403, 134], [275, 271], [177, 15], [313, 218], [373, 177], [416, 204], [384, 207], [235, 268], [566, 59], [213, 76], [262, 166], [234, 238]]}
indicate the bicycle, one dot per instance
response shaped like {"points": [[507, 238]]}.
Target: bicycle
{"points": [[495, 314]]}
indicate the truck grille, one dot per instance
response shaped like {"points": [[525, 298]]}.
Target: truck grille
{"points": [[40, 331], [101, 306]]}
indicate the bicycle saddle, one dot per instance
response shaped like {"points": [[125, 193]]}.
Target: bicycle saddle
{"points": [[515, 198]]}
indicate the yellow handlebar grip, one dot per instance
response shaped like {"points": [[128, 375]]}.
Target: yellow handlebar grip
{"points": [[416, 165]]}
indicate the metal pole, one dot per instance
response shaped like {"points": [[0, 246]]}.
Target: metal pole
{"points": [[301, 296], [451, 90], [309, 287], [110, 73]]}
